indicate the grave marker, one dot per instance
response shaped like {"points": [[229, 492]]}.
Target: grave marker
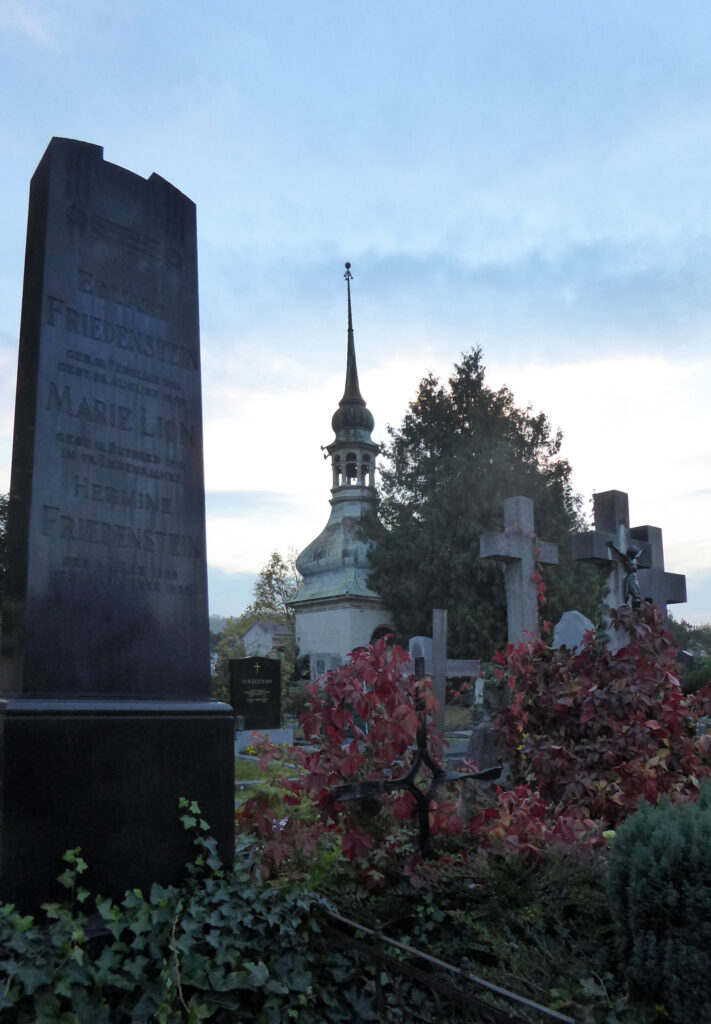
{"points": [[611, 535], [570, 631], [420, 651], [656, 584], [320, 663], [439, 665], [517, 548], [255, 691], [105, 675], [611, 518]]}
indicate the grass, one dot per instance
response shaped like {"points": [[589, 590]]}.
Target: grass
{"points": [[457, 718], [246, 770]]}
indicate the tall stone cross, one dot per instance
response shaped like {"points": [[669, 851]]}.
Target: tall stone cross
{"points": [[611, 516], [659, 586], [612, 527], [518, 549]]}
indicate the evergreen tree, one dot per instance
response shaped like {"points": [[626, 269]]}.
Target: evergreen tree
{"points": [[461, 449]]}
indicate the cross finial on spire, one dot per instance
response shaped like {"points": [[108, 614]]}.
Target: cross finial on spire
{"points": [[349, 277]]}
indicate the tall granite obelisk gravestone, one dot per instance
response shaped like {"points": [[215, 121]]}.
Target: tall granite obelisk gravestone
{"points": [[106, 712]]}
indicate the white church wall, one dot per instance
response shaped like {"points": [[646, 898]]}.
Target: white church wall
{"points": [[337, 630]]}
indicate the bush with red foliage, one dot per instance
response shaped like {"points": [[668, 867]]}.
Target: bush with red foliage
{"points": [[598, 731], [591, 733], [362, 721], [521, 821]]}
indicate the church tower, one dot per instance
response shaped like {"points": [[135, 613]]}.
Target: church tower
{"points": [[335, 609]]}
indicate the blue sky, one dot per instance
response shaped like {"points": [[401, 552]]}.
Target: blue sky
{"points": [[530, 177]]}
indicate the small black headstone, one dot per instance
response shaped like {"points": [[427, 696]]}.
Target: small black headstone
{"points": [[106, 716], [255, 691]]}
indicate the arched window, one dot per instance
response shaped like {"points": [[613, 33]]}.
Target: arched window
{"points": [[351, 467], [380, 631], [336, 470]]}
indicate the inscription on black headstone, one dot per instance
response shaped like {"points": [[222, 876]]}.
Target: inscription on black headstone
{"points": [[107, 592], [255, 690]]}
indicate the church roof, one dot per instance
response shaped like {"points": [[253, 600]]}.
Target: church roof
{"points": [[352, 420]]}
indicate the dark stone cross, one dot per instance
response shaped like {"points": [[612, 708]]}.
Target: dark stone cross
{"points": [[613, 534], [517, 548], [369, 789], [656, 584]]}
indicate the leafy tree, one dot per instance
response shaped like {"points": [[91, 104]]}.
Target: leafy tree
{"points": [[697, 641], [460, 450], [276, 585]]}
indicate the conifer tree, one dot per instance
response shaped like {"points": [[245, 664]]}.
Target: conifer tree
{"points": [[461, 449]]}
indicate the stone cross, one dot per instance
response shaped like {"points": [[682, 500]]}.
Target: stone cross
{"points": [[611, 516], [661, 587], [518, 549], [439, 665], [612, 526]]}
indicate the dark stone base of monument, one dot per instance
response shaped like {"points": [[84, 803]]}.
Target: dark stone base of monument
{"points": [[107, 776]]}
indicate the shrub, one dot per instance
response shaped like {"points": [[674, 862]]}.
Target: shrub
{"points": [[296, 700], [519, 821], [659, 890], [361, 723], [600, 731]]}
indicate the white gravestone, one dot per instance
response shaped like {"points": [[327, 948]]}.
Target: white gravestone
{"points": [[571, 629]]}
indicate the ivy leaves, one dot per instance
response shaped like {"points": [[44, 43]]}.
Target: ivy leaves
{"points": [[219, 944]]}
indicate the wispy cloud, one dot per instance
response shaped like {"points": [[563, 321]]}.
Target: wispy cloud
{"points": [[243, 504], [26, 17]]}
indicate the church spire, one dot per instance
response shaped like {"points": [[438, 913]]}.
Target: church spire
{"points": [[352, 413], [352, 390]]}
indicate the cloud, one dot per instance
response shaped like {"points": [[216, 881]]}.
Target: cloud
{"points": [[230, 592], [24, 17], [698, 583], [244, 504]]}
